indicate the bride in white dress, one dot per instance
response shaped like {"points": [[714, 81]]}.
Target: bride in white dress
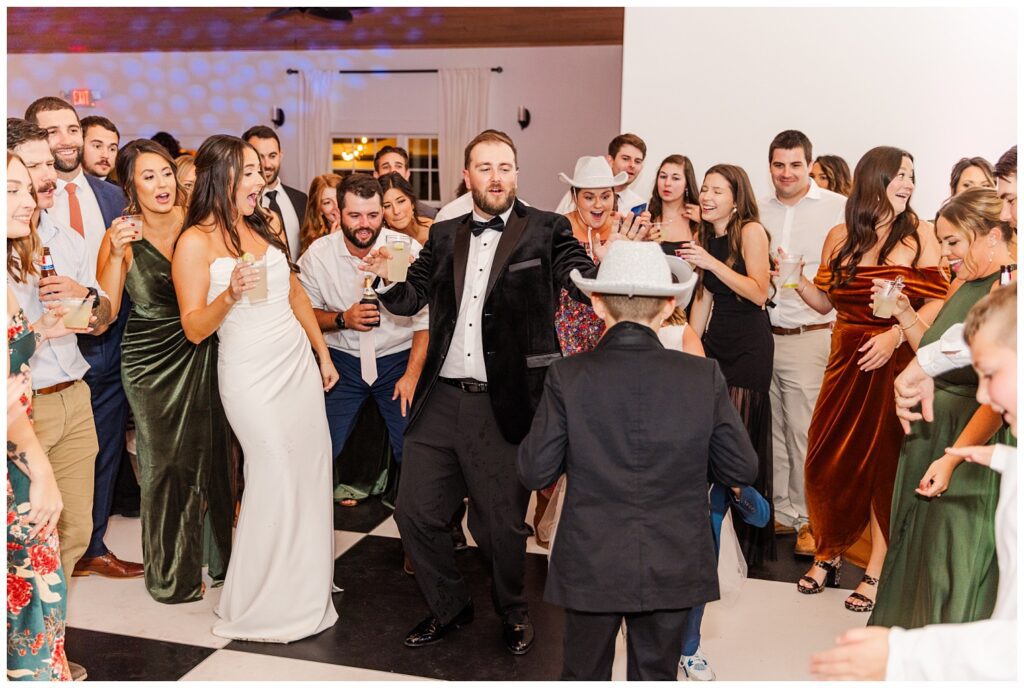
{"points": [[280, 577]]}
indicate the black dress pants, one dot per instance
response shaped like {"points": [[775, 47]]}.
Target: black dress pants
{"points": [[453, 449], [652, 644]]}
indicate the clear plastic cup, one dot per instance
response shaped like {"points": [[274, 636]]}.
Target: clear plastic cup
{"points": [[789, 271], [884, 301], [259, 292], [398, 263], [77, 312], [135, 221]]}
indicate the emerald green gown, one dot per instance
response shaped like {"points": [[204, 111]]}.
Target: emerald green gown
{"points": [[941, 564], [182, 436]]}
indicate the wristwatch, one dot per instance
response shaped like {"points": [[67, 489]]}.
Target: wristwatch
{"points": [[339, 320], [95, 296]]}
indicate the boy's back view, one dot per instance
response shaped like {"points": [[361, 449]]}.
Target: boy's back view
{"points": [[636, 428]]}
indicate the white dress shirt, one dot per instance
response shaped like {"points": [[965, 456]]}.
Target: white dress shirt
{"points": [[331, 276], [801, 229], [947, 353], [463, 205], [628, 199], [980, 650], [466, 353], [292, 221], [92, 217], [56, 360]]}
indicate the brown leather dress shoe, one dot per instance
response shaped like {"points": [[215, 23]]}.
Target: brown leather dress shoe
{"points": [[108, 566], [782, 529], [804, 541]]}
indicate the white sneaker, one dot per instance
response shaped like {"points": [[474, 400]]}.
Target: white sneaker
{"points": [[696, 668]]}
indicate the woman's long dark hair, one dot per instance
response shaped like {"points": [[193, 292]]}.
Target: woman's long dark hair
{"points": [[219, 163], [125, 168], [867, 207], [393, 180], [689, 193], [746, 212]]}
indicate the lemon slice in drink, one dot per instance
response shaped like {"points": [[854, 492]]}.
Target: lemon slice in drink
{"points": [[248, 257]]}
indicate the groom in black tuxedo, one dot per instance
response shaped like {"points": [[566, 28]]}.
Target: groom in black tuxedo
{"points": [[492, 279]]}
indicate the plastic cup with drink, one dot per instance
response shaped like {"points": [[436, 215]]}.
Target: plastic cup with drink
{"points": [[789, 271], [884, 301], [134, 223], [259, 291], [77, 311], [398, 263]]}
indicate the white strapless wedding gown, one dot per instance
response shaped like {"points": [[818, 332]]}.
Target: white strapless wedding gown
{"points": [[280, 577]]}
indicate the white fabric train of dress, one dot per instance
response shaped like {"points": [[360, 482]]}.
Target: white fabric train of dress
{"points": [[280, 577]]}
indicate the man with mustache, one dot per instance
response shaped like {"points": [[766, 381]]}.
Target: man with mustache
{"points": [[89, 206], [491, 279], [101, 141]]}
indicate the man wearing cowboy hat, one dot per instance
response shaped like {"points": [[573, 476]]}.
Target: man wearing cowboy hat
{"points": [[638, 430]]}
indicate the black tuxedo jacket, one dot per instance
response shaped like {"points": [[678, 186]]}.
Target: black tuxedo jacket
{"points": [[636, 429], [298, 200], [532, 262]]}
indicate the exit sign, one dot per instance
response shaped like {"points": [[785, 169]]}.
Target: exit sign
{"points": [[81, 97]]}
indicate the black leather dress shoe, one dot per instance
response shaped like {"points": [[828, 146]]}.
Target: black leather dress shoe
{"points": [[518, 637], [430, 630]]}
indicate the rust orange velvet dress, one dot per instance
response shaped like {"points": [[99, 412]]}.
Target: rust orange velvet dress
{"points": [[853, 444]]}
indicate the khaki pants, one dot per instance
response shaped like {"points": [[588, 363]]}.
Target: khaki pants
{"points": [[800, 361], [64, 426]]}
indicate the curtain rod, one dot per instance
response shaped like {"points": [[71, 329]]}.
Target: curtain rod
{"points": [[497, 70]]}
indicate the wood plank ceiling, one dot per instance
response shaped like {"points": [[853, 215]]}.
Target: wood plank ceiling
{"points": [[146, 29]]}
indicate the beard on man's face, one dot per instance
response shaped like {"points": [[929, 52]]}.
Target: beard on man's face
{"points": [[352, 232], [63, 166], [485, 202]]}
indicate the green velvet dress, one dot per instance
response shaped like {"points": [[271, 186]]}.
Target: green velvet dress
{"points": [[941, 564], [182, 436]]}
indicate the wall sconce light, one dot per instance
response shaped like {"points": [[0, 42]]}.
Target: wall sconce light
{"points": [[523, 117], [277, 116]]}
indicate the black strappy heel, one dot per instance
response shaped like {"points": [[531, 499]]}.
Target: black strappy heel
{"points": [[831, 569]]}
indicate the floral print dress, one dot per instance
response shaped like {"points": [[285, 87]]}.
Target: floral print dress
{"points": [[36, 589]]}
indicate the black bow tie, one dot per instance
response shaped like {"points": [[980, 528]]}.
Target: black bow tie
{"points": [[495, 223]]}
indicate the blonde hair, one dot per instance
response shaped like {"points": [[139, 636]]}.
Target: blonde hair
{"points": [[22, 252], [974, 213]]}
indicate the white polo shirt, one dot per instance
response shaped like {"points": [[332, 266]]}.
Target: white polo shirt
{"points": [[801, 229], [331, 276]]}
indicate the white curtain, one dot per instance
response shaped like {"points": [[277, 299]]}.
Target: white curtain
{"points": [[463, 114], [315, 116]]}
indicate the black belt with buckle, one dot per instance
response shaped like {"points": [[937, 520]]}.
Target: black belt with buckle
{"points": [[465, 384]]}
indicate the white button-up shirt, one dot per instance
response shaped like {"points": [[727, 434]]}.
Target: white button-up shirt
{"points": [[466, 353], [331, 276], [289, 215], [56, 360], [801, 229], [92, 217]]}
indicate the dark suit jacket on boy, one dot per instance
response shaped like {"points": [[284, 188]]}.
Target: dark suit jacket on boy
{"points": [[635, 428]]}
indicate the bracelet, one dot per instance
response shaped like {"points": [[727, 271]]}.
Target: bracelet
{"points": [[899, 334], [917, 319]]}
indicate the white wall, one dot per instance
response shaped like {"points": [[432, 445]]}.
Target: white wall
{"points": [[573, 94], [718, 84]]}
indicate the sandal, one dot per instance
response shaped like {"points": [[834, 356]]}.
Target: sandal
{"points": [[831, 568], [866, 604]]}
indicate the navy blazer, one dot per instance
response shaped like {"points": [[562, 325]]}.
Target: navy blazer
{"points": [[636, 429], [110, 197], [103, 352]]}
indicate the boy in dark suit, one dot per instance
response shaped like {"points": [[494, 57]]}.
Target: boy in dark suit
{"points": [[635, 428]]}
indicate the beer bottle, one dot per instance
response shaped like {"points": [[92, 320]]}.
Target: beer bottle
{"points": [[46, 268], [370, 297]]}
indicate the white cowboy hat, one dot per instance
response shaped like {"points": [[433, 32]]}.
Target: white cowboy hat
{"points": [[594, 172], [640, 268]]}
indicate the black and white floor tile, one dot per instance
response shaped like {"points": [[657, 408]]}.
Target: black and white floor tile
{"points": [[118, 632]]}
